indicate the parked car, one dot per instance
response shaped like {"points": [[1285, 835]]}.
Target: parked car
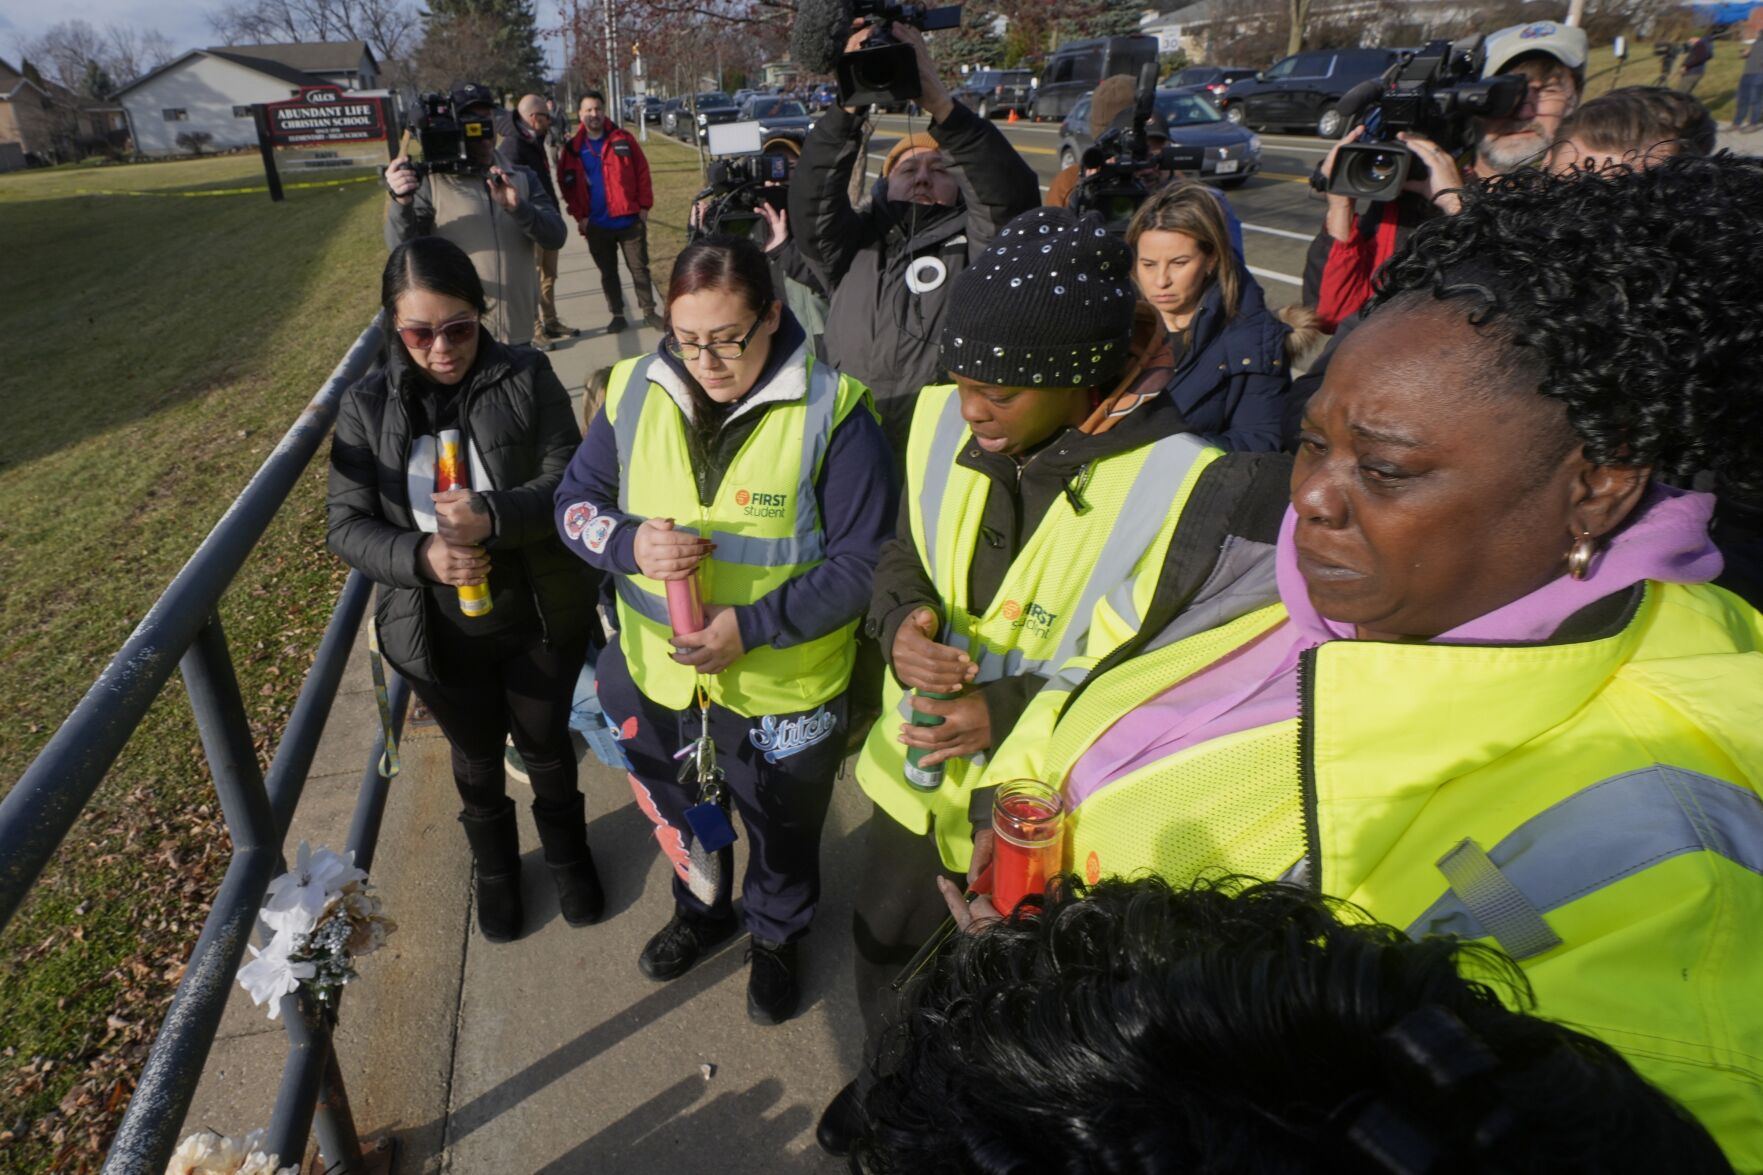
{"points": [[707, 110], [991, 92], [1079, 67], [1300, 92], [670, 115], [777, 117], [1215, 79], [1229, 154]]}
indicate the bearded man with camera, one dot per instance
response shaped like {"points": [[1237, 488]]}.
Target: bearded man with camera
{"points": [[467, 190]]}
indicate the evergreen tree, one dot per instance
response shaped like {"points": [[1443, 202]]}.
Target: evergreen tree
{"points": [[490, 41], [976, 42], [97, 84]]}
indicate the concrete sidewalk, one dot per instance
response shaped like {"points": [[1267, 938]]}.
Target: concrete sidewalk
{"points": [[552, 1053]]}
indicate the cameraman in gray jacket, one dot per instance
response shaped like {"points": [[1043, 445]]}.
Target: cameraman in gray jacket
{"points": [[941, 199], [497, 211]]}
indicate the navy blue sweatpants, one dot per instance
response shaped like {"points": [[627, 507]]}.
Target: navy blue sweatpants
{"points": [[779, 773]]}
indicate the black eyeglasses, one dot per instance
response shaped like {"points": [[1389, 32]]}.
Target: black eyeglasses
{"points": [[689, 352]]}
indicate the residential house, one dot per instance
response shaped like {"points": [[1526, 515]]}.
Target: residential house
{"points": [[42, 122]]}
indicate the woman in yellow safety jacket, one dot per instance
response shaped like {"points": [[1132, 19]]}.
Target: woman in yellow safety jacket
{"points": [[732, 461], [1501, 697]]}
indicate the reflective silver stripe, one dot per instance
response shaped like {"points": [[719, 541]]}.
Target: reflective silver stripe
{"points": [[624, 425], [1121, 600], [1141, 516], [1608, 832], [1495, 903], [940, 466], [761, 552], [645, 605]]}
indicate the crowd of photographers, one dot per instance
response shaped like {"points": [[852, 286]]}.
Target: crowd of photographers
{"points": [[1465, 642]]}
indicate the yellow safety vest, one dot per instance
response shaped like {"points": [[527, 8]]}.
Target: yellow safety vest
{"points": [[1077, 571], [765, 522], [1594, 807]]}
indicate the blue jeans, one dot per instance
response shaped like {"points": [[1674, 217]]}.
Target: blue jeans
{"points": [[1750, 107]]}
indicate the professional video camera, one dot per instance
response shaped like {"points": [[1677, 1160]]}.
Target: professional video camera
{"points": [[738, 186], [741, 178], [446, 138], [1114, 183], [884, 70], [1435, 92]]}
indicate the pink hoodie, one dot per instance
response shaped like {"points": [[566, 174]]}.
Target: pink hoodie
{"points": [[1256, 685]]}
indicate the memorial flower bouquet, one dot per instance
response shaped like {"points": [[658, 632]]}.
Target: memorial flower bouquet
{"points": [[208, 1153], [323, 917]]}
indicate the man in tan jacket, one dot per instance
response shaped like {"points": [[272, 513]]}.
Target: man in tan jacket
{"points": [[494, 209]]}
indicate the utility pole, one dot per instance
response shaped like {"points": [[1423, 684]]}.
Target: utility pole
{"points": [[1576, 13]]}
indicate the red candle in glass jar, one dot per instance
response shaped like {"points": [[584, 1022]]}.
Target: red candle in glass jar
{"points": [[1028, 818]]}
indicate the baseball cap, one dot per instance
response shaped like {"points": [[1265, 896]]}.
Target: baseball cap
{"points": [[1564, 43], [468, 94]]}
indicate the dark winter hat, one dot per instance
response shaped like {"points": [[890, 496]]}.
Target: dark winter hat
{"points": [[1050, 303]]}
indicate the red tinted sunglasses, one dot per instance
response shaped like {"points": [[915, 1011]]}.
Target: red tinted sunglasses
{"points": [[457, 333]]}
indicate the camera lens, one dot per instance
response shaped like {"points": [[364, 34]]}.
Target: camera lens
{"points": [[1381, 168]]}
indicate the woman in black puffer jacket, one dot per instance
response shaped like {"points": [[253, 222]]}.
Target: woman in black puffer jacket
{"points": [[452, 401]]}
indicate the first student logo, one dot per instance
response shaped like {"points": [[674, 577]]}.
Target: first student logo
{"points": [[757, 504]]}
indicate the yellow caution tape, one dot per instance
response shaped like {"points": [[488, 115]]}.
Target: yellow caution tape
{"points": [[359, 179]]}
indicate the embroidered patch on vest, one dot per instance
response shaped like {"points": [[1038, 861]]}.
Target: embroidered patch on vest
{"points": [[757, 504], [780, 740]]}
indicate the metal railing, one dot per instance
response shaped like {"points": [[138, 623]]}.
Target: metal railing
{"points": [[182, 631]]}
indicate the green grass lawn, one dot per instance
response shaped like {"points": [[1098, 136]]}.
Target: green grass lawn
{"points": [[1718, 88], [157, 347]]}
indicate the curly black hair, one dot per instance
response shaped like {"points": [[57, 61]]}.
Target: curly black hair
{"points": [[1632, 296], [1234, 1026]]}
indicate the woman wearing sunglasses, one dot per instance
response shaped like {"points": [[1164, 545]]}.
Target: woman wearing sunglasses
{"points": [[732, 464], [454, 407]]}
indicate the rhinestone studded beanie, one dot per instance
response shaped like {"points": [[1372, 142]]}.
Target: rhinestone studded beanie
{"points": [[1049, 304]]}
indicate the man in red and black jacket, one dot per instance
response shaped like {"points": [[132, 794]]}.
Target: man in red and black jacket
{"points": [[1350, 250], [603, 178]]}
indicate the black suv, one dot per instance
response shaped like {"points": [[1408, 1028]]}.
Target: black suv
{"points": [[1216, 79], [1300, 91], [991, 92]]}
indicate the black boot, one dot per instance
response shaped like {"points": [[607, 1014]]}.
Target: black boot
{"points": [[563, 831], [495, 850], [841, 1122], [673, 949], [772, 990]]}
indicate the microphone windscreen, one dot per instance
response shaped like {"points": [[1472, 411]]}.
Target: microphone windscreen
{"points": [[817, 39]]}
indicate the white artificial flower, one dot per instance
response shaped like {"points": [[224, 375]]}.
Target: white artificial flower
{"points": [[195, 1155], [271, 974], [258, 1163], [315, 878]]}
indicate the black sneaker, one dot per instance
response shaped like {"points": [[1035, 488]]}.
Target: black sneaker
{"points": [[654, 321], [676, 946], [772, 993], [557, 330], [841, 1122], [617, 324]]}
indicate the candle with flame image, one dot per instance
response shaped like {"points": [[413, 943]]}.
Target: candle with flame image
{"points": [[474, 599]]}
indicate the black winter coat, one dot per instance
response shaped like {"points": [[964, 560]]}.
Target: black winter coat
{"points": [[1232, 382], [514, 409], [877, 330]]}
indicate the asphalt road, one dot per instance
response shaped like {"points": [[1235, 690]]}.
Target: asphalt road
{"points": [[1280, 214]]}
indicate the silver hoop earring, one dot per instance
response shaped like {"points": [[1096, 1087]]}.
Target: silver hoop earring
{"points": [[1579, 559]]}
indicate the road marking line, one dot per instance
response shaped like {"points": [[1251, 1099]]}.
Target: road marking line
{"points": [[1272, 276], [1280, 232]]}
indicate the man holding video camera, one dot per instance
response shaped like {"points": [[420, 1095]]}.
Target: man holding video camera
{"points": [[469, 191], [1551, 60], [942, 198]]}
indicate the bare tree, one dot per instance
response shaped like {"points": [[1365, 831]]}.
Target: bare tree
{"points": [[389, 26], [68, 51], [1298, 17]]}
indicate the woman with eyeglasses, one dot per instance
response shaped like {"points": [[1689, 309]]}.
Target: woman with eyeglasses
{"points": [[453, 407], [731, 470]]}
